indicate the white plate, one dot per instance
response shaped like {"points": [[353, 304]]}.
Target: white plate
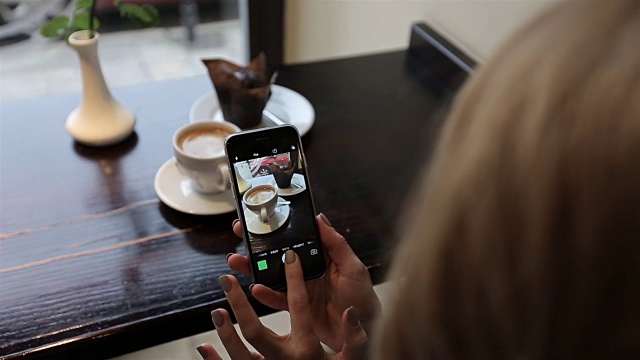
{"points": [[298, 185], [256, 226], [174, 189], [289, 106]]}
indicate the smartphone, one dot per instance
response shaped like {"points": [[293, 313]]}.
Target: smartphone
{"points": [[270, 184]]}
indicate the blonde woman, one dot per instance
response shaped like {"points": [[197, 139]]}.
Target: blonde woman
{"points": [[525, 243]]}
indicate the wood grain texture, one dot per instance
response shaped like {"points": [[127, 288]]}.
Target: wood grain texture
{"points": [[92, 262]]}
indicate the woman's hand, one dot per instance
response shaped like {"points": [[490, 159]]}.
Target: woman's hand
{"points": [[301, 343], [346, 283]]}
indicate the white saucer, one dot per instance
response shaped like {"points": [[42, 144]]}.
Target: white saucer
{"points": [[298, 185], [256, 226], [288, 105], [174, 189]]}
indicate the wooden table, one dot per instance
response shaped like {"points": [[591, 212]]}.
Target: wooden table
{"points": [[91, 262]]}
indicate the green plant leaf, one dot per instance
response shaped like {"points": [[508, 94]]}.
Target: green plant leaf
{"points": [[84, 4], [144, 15], [55, 27], [81, 21]]}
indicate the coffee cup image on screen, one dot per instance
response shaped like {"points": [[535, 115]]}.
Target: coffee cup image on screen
{"points": [[261, 202], [276, 205]]}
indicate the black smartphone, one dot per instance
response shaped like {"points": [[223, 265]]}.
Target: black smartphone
{"points": [[271, 187]]}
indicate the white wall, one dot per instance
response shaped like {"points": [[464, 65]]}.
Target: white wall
{"points": [[328, 29]]}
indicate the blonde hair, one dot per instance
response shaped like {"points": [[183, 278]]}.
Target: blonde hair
{"points": [[525, 239]]}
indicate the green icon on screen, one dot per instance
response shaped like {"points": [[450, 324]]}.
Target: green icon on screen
{"points": [[262, 265]]}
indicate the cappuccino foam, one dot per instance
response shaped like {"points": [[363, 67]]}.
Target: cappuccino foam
{"points": [[204, 143], [260, 196]]}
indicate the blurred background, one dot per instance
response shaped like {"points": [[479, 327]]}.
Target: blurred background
{"points": [[32, 66], [313, 30]]}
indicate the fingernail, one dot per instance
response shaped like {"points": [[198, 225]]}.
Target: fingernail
{"points": [[290, 257], [235, 221], [225, 283], [326, 221], [218, 319], [352, 318], [251, 287], [229, 254], [202, 352]]}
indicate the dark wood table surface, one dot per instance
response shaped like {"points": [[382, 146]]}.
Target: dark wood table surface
{"points": [[91, 262]]}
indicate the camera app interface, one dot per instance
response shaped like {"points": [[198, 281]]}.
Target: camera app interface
{"points": [[276, 207]]}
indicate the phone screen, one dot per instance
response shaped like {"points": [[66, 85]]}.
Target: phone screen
{"points": [[275, 205]]}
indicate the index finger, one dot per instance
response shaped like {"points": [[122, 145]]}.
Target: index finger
{"points": [[261, 337], [297, 297]]}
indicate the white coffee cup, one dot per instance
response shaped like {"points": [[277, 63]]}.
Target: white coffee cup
{"points": [[263, 200], [199, 151]]}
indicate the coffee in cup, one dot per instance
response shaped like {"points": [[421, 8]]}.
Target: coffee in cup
{"points": [[260, 196], [204, 142], [262, 200], [199, 151]]}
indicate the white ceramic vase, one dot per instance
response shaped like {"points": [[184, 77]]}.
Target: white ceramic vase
{"points": [[99, 120]]}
